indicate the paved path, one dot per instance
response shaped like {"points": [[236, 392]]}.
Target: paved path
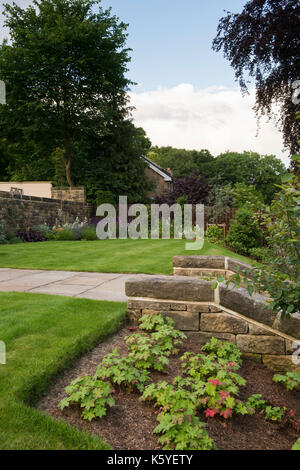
{"points": [[97, 286]]}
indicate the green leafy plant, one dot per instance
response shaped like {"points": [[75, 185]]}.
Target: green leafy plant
{"points": [[246, 195], [281, 276], [180, 428], [145, 353], [166, 337], [181, 431], [121, 371], [260, 253], [274, 413], [150, 323], [214, 233], [223, 350], [290, 380], [2, 233], [152, 350], [255, 402], [244, 232], [89, 233], [296, 446], [64, 235], [214, 383], [93, 395]]}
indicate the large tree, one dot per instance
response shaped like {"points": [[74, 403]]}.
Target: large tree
{"points": [[264, 172], [64, 70], [181, 161], [263, 42]]}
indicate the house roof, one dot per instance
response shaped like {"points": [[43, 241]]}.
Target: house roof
{"points": [[167, 176]]}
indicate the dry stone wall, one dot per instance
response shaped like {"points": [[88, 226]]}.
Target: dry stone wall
{"points": [[231, 315], [25, 212]]}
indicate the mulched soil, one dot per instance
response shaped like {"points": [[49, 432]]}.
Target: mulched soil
{"points": [[129, 425]]}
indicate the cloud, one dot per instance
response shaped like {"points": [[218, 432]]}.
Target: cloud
{"points": [[216, 118]]}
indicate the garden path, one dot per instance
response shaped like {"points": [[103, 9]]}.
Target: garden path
{"points": [[97, 286]]}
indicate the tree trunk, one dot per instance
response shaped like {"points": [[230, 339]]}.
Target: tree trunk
{"points": [[68, 164]]}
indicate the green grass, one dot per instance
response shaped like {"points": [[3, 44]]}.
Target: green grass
{"points": [[43, 336], [116, 256]]}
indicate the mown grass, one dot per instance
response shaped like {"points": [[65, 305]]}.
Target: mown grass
{"points": [[115, 256], [43, 335]]}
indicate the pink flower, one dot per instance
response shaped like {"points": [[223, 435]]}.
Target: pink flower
{"points": [[230, 364], [215, 382], [292, 412], [210, 413], [224, 394]]}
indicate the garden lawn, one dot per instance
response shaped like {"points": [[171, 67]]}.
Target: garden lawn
{"points": [[43, 335], [115, 256]]}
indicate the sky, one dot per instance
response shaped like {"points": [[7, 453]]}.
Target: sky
{"points": [[186, 95]]}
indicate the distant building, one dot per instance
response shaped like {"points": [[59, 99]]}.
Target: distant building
{"points": [[161, 177]]}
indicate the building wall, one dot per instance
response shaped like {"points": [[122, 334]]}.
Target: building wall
{"points": [[30, 188], [161, 184]]}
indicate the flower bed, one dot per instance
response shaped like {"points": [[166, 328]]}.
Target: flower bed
{"points": [[199, 400]]}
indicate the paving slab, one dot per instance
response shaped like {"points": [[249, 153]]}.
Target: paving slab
{"points": [[54, 289], [89, 285], [8, 274], [95, 280]]}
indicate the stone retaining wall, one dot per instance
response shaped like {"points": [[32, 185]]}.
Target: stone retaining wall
{"points": [[26, 211], [231, 315], [207, 265]]}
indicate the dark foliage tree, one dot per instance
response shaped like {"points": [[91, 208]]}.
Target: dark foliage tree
{"points": [[263, 42], [192, 189]]}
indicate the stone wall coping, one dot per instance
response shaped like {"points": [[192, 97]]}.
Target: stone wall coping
{"points": [[209, 262], [235, 301], [7, 195], [224, 309]]}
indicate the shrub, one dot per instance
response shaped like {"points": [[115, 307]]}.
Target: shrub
{"points": [[260, 253], [105, 197], [246, 195], [89, 233], [31, 235], [281, 277], [12, 238], [244, 232], [64, 235], [214, 232], [2, 233]]}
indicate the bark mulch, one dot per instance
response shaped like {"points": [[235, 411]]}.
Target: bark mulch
{"points": [[129, 425]]}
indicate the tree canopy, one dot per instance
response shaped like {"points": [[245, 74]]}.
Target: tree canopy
{"points": [[263, 42], [262, 171], [65, 73]]}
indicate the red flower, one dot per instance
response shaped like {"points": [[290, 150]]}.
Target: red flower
{"points": [[226, 413], [292, 412], [210, 413], [215, 382]]}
